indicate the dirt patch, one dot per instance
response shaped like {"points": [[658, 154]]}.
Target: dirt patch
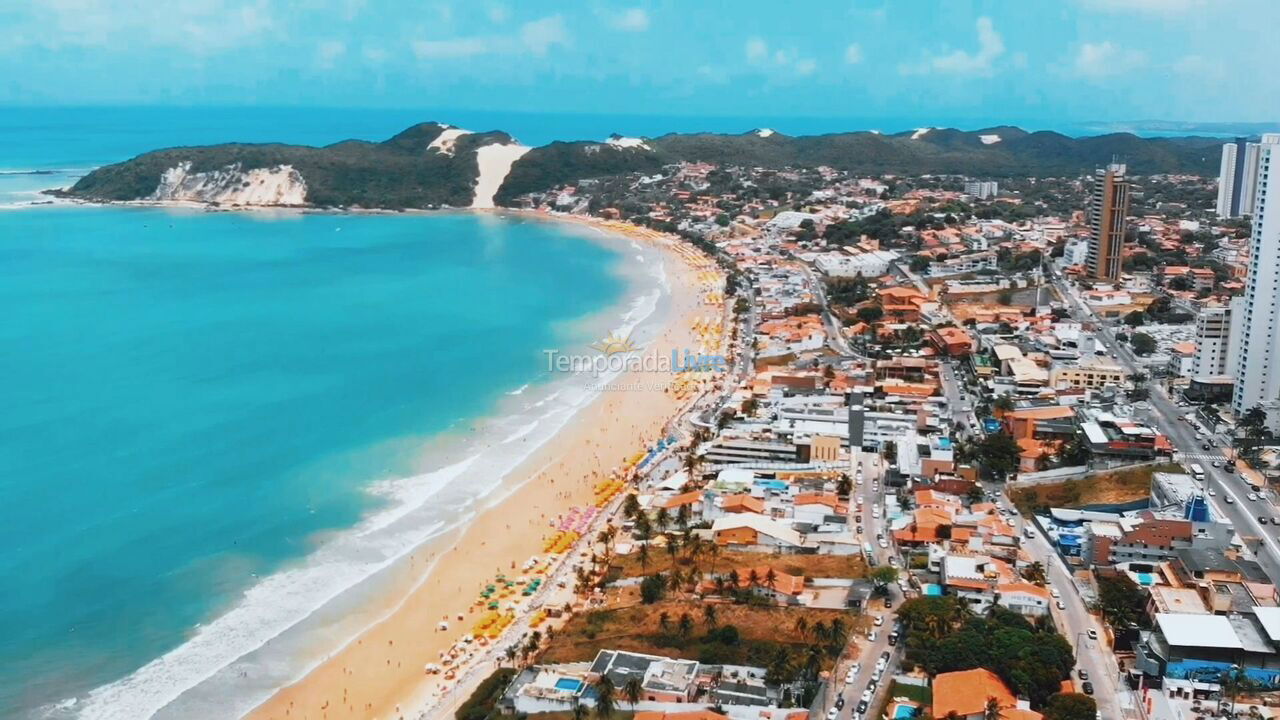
{"points": [[810, 566], [1110, 488]]}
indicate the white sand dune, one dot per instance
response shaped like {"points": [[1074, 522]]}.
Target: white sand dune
{"points": [[280, 185], [628, 142], [444, 143], [495, 163]]}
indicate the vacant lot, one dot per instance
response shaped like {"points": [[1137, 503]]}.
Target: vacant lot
{"points": [[1107, 488], [758, 631], [823, 566]]}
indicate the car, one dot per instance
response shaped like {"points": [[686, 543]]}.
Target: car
{"points": [[1254, 488], [866, 696], [1275, 521], [893, 639], [888, 604], [1262, 519], [862, 706], [1054, 592], [854, 669], [1212, 493], [1204, 446], [879, 620], [859, 479], [1061, 605], [859, 529], [879, 536], [1087, 687], [1217, 463], [857, 519], [871, 686], [1229, 500], [1084, 674], [883, 543], [871, 636], [839, 702], [1093, 634], [893, 560], [833, 713], [1253, 497]]}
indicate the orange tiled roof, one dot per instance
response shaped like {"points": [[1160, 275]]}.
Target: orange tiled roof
{"points": [[965, 692], [675, 501], [742, 503]]}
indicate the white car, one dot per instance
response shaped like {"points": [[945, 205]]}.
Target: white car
{"points": [[854, 669], [1093, 634], [871, 636], [1212, 493], [1230, 500], [879, 620], [866, 696], [833, 713], [859, 479], [1054, 592], [884, 543], [1061, 605], [1252, 496]]}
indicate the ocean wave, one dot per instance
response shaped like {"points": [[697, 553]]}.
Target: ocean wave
{"points": [[276, 603], [519, 390]]}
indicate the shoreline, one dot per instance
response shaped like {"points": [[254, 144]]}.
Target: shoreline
{"points": [[379, 673], [349, 615]]}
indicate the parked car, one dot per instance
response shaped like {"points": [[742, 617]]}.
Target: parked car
{"points": [[1093, 634], [1229, 500], [1061, 605], [862, 707], [1084, 674], [1087, 687], [833, 713], [1252, 497], [879, 620]]}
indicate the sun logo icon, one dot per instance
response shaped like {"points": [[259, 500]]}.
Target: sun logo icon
{"points": [[613, 343]]}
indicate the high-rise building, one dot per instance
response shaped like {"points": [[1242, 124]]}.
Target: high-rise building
{"points": [[1108, 206], [1258, 365], [981, 189], [1213, 343], [1236, 178]]}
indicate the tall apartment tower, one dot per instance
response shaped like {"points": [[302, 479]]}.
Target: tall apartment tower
{"points": [[1236, 178], [1108, 206], [1258, 362], [1213, 343]]}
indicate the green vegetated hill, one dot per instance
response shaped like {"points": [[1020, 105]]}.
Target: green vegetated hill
{"points": [[397, 173], [403, 172]]}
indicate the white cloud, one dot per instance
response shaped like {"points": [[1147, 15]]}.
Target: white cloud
{"points": [[758, 54], [632, 20], [1200, 67], [200, 27], [1163, 7], [1102, 59], [539, 36], [853, 54], [962, 62], [328, 52], [499, 13], [447, 49]]}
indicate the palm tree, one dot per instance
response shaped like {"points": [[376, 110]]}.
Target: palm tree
{"points": [[662, 519], [709, 615], [714, 551], [682, 516], [771, 579], [691, 462], [753, 578], [632, 689], [1035, 573], [820, 632], [992, 709], [720, 584], [630, 507], [510, 654], [664, 621], [673, 547], [685, 625], [643, 554], [838, 631], [604, 697], [802, 627], [579, 710]]}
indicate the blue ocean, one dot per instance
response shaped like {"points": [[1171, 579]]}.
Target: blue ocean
{"points": [[216, 423]]}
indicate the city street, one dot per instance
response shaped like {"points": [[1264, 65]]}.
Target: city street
{"points": [[869, 651]]}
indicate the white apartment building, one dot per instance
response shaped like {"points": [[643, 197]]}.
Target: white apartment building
{"points": [[1213, 343], [1258, 365]]}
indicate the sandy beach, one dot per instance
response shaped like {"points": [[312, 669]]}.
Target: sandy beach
{"points": [[380, 674]]}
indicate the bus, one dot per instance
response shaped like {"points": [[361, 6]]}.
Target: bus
{"points": [[1197, 471]]}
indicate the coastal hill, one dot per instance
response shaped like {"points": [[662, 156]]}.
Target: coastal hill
{"points": [[436, 165]]}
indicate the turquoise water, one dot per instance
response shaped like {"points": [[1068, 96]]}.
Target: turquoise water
{"points": [[570, 684], [192, 400]]}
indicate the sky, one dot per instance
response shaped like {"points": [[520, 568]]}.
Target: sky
{"points": [[1083, 60]]}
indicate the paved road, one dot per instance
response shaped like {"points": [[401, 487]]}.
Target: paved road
{"points": [[869, 651]]}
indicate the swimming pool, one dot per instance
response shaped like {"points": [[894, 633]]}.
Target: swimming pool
{"points": [[567, 684], [1146, 578], [903, 711]]}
